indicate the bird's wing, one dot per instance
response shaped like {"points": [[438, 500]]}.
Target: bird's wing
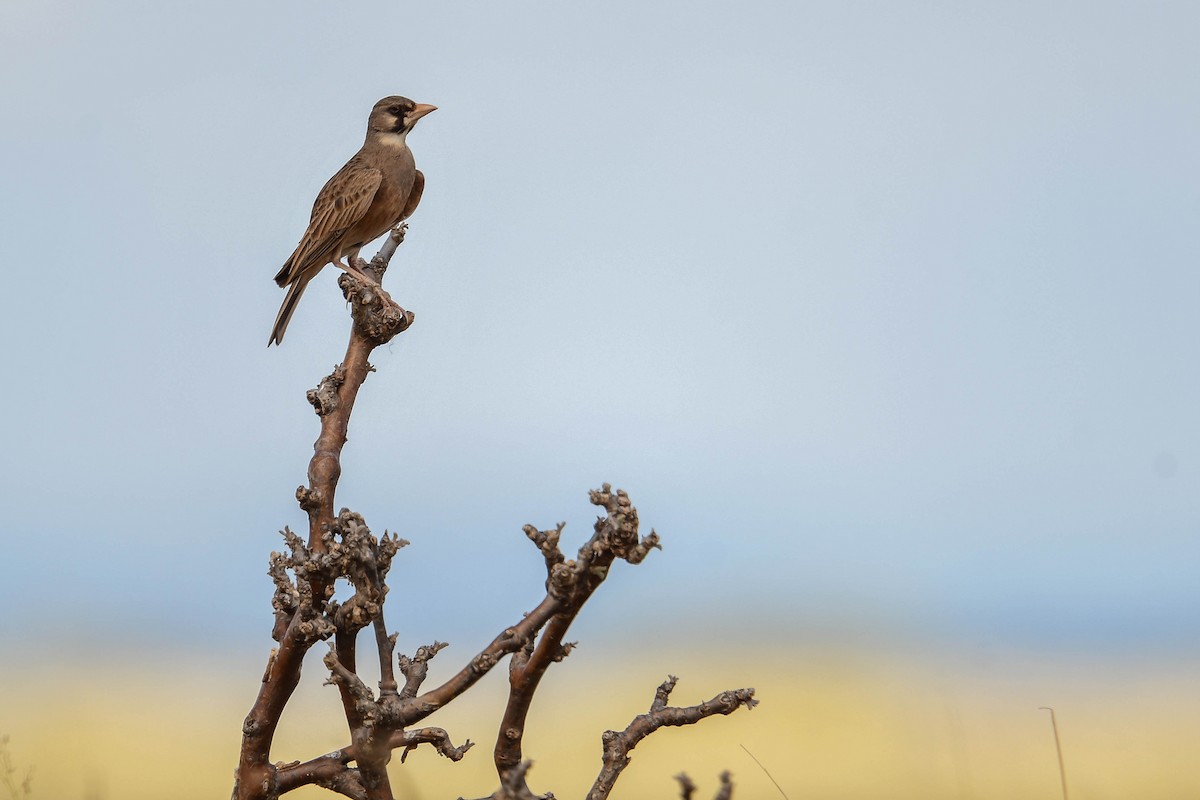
{"points": [[342, 202], [414, 195]]}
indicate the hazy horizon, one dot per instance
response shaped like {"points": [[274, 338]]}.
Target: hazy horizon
{"points": [[884, 315]]}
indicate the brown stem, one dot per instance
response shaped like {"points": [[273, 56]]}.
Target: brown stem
{"points": [[617, 746], [345, 647], [572, 583], [372, 740], [434, 736], [416, 668], [386, 645], [325, 467], [342, 546], [255, 775], [509, 641], [334, 767], [376, 320], [524, 678], [329, 771]]}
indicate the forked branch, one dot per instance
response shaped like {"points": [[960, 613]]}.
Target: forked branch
{"points": [[617, 746], [342, 547], [302, 613]]}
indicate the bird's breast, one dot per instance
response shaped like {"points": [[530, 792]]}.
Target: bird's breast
{"points": [[396, 182], [398, 177]]}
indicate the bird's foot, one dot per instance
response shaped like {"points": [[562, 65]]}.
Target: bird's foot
{"points": [[357, 268]]}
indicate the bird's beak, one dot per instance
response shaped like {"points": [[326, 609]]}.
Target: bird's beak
{"points": [[419, 111]]}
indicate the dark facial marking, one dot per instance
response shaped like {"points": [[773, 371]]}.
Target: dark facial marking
{"points": [[399, 110]]}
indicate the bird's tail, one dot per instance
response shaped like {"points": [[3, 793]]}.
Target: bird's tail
{"points": [[284, 276], [287, 309], [281, 277]]}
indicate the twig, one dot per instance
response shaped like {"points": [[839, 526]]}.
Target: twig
{"points": [[617, 746]]}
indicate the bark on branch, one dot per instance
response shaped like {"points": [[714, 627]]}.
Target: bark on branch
{"points": [[617, 746], [302, 615], [342, 547]]}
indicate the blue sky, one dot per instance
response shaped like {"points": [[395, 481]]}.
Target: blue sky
{"points": [[883, 313]]}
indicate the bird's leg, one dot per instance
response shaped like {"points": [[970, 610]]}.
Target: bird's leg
{"points": [[360, 264], [353, 268]]}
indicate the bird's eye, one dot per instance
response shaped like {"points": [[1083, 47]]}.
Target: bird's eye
{"points": [[395, 110]]}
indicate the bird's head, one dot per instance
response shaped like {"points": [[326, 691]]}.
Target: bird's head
{"points": [[396, 115]]}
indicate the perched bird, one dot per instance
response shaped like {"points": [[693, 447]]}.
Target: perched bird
{"points": [[378, 187]]}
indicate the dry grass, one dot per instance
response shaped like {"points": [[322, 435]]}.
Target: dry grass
{"points": [[839, 725], [17, 785]]}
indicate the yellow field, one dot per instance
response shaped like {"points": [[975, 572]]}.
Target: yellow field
{"points": [[831, 725]]}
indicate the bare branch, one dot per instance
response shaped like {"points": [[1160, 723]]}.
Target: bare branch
{"points": [[434, 736], [513, 787], [617, 746], [332, 771], [300, 618], [324, 398], [351, 685], [415, 668], [376, 315], [547, 542], [570, 583], [342, 547], [329, 771], [379, 263], [509, 641]]}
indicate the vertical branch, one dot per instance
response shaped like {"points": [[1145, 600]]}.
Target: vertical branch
{"points": [[300, 609], [298, 626], [365, 561], [386, 647], [570, 583], [344, 646], [376, 320], [525, 673]]}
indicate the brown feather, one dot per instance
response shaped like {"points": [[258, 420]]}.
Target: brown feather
{"points": [[343, 201], [414, 196], [378, 187]]}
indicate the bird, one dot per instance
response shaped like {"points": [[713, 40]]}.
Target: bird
{"points": [[379, 187]]}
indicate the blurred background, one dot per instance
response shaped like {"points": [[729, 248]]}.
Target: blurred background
{"points": [[884, 314]]}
